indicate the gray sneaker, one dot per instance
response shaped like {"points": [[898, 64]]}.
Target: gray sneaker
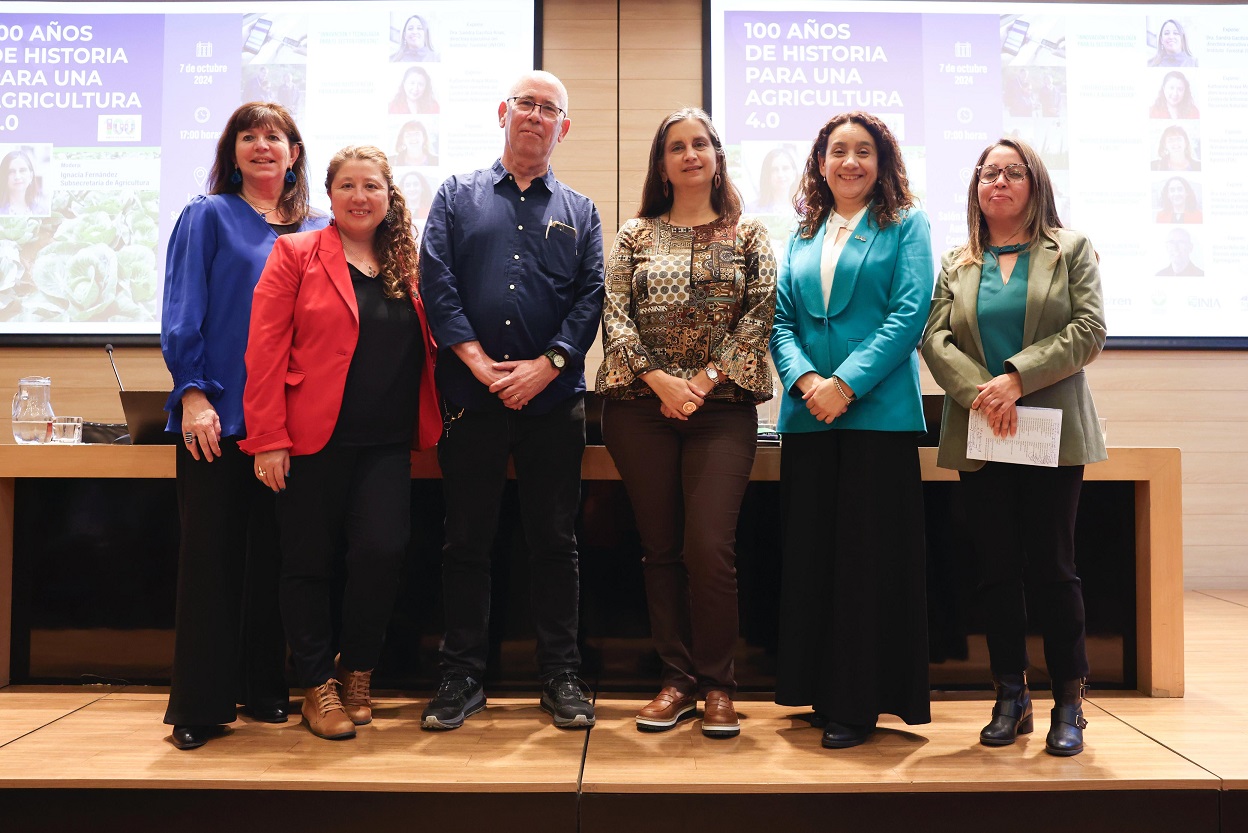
{"points": [[459, 697], [567, 698]]}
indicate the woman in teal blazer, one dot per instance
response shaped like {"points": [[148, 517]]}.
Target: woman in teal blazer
{"points": [[854, 289], [1016, 317]]}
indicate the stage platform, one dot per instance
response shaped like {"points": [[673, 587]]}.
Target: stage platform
{"points": [[77, 757]]}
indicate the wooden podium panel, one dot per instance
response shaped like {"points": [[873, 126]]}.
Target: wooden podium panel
{"points": [[1156, 473]]}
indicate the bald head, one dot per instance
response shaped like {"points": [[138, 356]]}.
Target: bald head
{"points": [[540, 77]]}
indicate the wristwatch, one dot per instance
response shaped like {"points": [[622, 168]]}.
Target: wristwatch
{"points": [[556, 358], [712, 374]]}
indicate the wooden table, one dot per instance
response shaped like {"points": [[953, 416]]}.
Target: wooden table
{"points": [[1156, 473]]}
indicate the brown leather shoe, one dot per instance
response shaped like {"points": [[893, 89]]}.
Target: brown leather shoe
{"points": [[667, 709], [356, 699], [323, 712], [719, 717]]}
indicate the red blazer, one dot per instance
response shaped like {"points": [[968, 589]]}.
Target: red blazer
{"points": [[304, 328]]}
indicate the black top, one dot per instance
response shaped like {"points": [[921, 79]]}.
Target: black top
{"points": [[284, 228], [383, 381]]}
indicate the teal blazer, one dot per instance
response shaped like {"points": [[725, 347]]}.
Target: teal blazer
{"points": [[1063, 330], [867, 334]]}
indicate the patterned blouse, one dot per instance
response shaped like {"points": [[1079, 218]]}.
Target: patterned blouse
{"points": [[679, 297]]}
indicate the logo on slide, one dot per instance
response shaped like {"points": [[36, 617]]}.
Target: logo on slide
{"points": [[119, 129]]}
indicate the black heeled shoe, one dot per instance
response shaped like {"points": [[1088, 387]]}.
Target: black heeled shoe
{"points": [[278, 713], [844, 735], [1011, 714], [1065, 736], [193, 737]]}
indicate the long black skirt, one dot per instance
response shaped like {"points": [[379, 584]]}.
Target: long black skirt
{"points": [[853, 615]]}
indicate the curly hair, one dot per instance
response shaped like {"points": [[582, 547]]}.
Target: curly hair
{"points": [[890, 195], [294, 202], [1041, 219], [725, 198], [1190, 202], [394, 242]]}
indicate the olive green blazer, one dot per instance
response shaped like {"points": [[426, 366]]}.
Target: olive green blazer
{"points": [[1063, 330]]}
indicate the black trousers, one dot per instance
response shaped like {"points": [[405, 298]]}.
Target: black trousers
{"points": [[853, 622], [228, 643], [352, 499], [1022, 526], [546, 450], [685, 480]]}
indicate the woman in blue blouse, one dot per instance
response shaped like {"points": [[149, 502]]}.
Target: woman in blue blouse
{"points": [[229, 647], [854, 288], [1016, 316]]}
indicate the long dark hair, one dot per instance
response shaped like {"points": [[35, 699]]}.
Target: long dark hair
{"points": [[294, 202], [892, 189], [394, 242], [1186, 106], [725, 198], [426, 103], [1041, 219], [1190, 203]]}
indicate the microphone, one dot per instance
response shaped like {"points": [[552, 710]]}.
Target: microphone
{"points": [[109, 348]]}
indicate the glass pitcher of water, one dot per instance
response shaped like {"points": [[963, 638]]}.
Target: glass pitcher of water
{"points": [[32, 410]]}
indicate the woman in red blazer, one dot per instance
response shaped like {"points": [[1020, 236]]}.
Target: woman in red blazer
{"points": [[340, 387]]}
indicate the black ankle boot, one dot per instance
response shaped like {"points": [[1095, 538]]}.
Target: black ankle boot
{"points": [[1066, 733], [1011, 714]]}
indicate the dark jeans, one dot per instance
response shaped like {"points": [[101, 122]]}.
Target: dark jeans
{"points": [[686, 480], [546, 450], [1022, 526], [352, 499], [228, 643]]}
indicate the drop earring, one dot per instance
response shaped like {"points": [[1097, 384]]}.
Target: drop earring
{"points": [[290, 176], [236, 178], [667, 189], [717, 180]]}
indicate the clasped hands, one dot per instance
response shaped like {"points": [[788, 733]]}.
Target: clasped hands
{"points": [[678, 398], [996, 400], [515, 383], [821, 396]]}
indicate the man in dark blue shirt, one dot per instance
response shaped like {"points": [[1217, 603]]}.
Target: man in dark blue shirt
{"points": [[511, 275]]}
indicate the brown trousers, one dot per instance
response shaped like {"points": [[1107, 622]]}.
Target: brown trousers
{"points": [[686, 480]]}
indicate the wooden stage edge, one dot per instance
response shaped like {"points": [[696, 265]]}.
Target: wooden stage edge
{"points": [[68, 754], [1156, 473]]}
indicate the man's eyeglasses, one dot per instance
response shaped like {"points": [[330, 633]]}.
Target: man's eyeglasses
{"points": [[524, 106], [1015, 172]]}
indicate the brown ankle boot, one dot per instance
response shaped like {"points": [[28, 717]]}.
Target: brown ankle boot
{"points": [[356, 699], [323, 712]]}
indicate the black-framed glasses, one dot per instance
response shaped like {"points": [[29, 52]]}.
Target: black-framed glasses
{"points": [[524, 106], [1014, 172]]}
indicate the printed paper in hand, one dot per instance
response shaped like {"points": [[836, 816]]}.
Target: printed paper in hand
{"points": [[1035, 444]]}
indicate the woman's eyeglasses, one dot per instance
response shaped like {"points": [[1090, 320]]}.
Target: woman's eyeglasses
{"points": [[524, 106], [1015, 172]]}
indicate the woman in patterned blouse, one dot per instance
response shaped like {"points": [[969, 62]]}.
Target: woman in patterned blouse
{"points": [[690, 297]]}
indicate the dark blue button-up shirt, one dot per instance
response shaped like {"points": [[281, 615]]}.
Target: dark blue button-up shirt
{"points": [[520, 272]]}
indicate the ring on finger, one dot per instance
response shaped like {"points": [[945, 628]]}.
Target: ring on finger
{"points": [[689, 407], [260, 473], [189, 437]]}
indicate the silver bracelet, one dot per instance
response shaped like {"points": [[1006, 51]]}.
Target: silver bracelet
{"points": [[841, 390]]}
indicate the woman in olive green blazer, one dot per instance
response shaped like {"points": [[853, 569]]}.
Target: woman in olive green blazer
{"points": [[1016, 316]]}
